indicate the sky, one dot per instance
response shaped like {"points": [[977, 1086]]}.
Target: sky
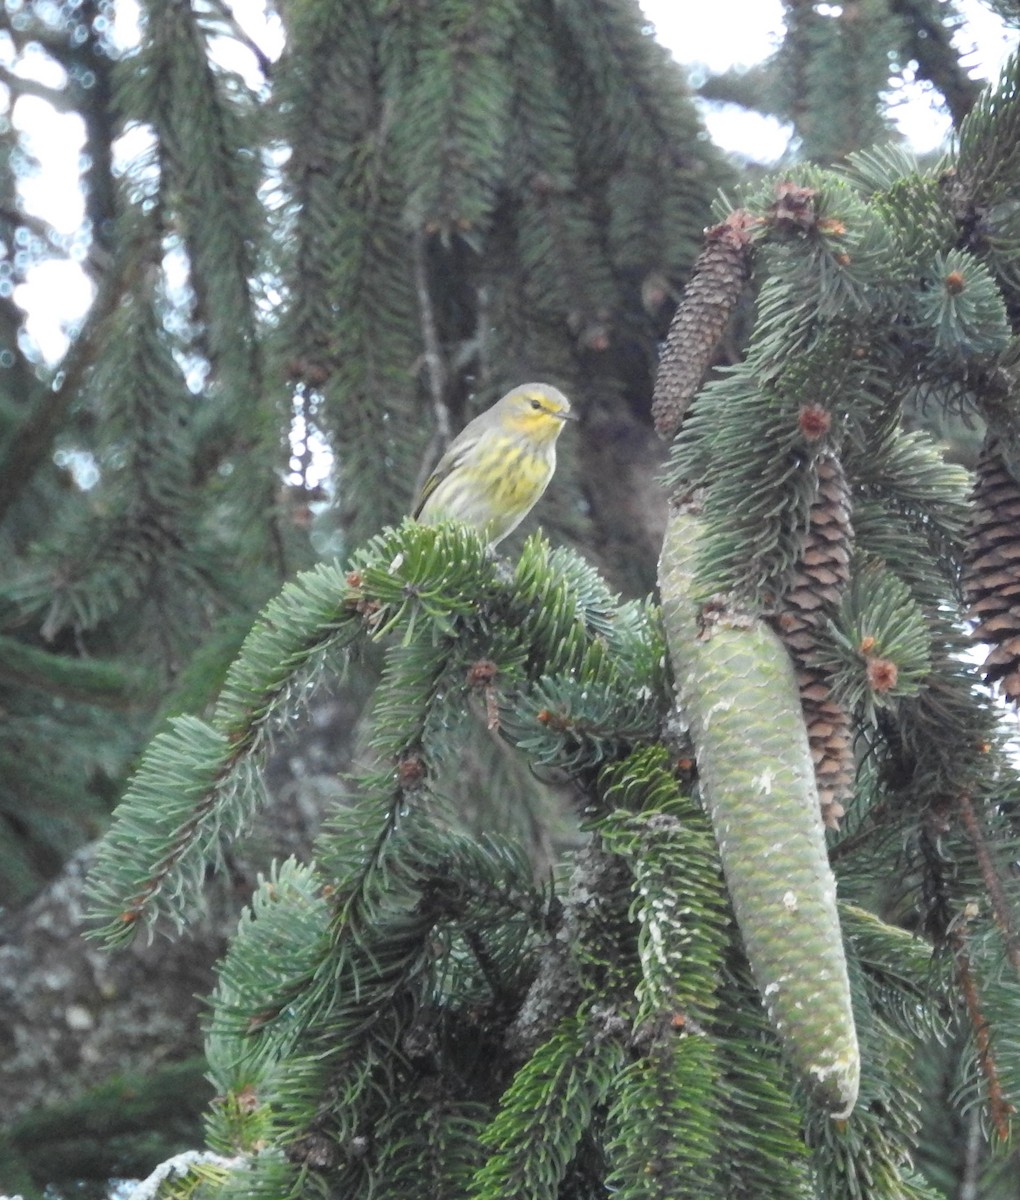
{"points": [[718, 35]]}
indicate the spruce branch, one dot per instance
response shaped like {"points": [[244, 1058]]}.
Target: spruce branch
{"points": [[157, 852], [1000, 1110], [546, 1110], [961, 304], [618, 54], [879, 642], [755, 1092], [429, 1144], [279, 938], [352, 330], [664, 1125], [578, 273], [903, 482], [198, 782], [208, 181], [346, 1024], [97, 682], [679, 901], [454, 115], [392, 797], [986, 157], [434, 591]]}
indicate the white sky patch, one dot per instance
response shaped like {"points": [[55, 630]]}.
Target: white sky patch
{"points": [[918, 113], [749, 134], [311, 456], [984, 38], [127, 29], [55, 140], [721, 34], [56, 295], [35, 63]]}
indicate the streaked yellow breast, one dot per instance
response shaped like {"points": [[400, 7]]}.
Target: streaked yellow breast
{"points": [[498, 488]]}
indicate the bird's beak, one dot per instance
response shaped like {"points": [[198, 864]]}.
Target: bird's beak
{"points": [[568, 416]]}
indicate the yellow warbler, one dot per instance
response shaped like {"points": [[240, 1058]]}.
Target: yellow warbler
{"points": [[499, 464]]}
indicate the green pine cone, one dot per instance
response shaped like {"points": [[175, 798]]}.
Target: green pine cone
{"points": [[739, 694]]}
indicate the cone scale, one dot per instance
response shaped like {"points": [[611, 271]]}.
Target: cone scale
{"points": [[819, 580], [992, 573]]}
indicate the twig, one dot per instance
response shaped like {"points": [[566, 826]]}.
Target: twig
{"points": [[993, 884], [435, 368], [999, 1108], [870, 827]]}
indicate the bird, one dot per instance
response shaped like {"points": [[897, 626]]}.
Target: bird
{"points": [[498, 466]]}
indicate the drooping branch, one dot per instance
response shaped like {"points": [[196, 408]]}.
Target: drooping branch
{"points": [[33, 441]]}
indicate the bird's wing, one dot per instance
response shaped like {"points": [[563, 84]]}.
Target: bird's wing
{"points": [[454, 457]]}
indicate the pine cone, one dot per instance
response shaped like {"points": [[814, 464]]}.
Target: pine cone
{"points": [[816, 588], [700, 320], [991, 577]]}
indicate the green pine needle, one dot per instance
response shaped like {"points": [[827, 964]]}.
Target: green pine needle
{"points": [[545, 1112], [880, 647]]}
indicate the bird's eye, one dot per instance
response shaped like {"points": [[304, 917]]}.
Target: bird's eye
{"points": [[536, 405]]}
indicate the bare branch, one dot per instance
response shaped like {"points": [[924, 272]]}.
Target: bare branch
{"points": [[435, 368]]}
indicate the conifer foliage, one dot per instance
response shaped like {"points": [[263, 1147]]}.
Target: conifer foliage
{"points": [[337, 254], [460, 196], [132, 508], [685, 1009]]}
